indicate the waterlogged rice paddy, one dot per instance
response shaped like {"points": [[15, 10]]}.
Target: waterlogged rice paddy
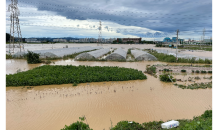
{"points": [[53, 106]]}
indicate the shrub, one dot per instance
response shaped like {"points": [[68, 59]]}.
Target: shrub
{"points": [[166, 70], [155, 125], [197, 78], [193, 71], [151, 70], [197, 71], [33, 58], [165, 78], [183, 70], [125, 125], [203, 71], [74, 84], [210, 72], [79, 125]]}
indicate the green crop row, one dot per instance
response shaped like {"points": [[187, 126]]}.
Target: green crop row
{"points": [[203, 122], [46, 75]]}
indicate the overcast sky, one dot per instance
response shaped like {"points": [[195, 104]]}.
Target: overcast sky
{"points": [[148, 19]]}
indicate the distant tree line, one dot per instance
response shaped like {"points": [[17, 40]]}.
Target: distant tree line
{"points": [[8, 38], [131, 42]]}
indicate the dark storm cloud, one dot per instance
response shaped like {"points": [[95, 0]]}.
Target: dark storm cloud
{"points": [[160, 15]]}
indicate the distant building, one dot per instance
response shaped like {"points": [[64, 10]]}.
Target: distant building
{"points": [[167, 39], [135, 40], [32, 40], [59, 40], [174, 39], [207, 41]]}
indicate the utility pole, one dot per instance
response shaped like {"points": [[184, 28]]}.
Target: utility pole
{"points": [[15, 32], [177, 33], [203, 34], [99, 34]]}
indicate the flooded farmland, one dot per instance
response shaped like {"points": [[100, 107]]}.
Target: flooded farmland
{"points": [[53, 106]]}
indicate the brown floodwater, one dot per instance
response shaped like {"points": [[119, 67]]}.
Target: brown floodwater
{"points": [[51, 107]]}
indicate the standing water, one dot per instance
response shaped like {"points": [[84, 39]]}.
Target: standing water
{"points": [[54, 106]]}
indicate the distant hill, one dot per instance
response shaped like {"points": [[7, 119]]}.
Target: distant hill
{"points": [[7, 37]]}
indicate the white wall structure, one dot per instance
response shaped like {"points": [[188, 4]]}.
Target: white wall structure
{"points": [[118, 54], [142, 55]]}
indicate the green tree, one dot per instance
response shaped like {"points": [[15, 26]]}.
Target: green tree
{"points": [[33, 58]]}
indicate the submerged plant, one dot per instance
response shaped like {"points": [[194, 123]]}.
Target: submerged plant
{"points": [[167, 78], [183, 70]]}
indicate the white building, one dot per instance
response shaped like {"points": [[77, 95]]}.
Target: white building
{"points": [[32, 40], [59, 40]]}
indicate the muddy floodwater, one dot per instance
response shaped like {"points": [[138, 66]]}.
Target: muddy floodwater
{"points": [[51, 107]]}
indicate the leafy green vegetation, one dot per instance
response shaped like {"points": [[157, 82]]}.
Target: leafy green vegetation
{"points": [[205, 48], [9, 56], [151, 69], [210, 72], [195, 86], [167, 78], [170, 58], [208, 77], [197, 78], [197, 71], [203, 71], [79, 125], [126, 125], [33, 58], [183, 70], [46, 75], [166, 70], [202, 122], [189, 47]]}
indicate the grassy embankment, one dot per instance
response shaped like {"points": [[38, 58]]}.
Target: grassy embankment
{"points": [[195, 47], [202, 122], [172, 59], [189, 47], [46, 75]]}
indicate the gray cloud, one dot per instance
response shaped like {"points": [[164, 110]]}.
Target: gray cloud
{"points": [[160, 15]]}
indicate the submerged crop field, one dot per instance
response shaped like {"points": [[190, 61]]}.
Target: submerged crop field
{"points": [[47, 75]]}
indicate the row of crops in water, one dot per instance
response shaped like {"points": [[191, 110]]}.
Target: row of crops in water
{"points": [[47, 75]]}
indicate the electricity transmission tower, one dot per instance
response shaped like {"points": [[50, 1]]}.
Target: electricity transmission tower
{"points": [[99, 34], [15, 32]]}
